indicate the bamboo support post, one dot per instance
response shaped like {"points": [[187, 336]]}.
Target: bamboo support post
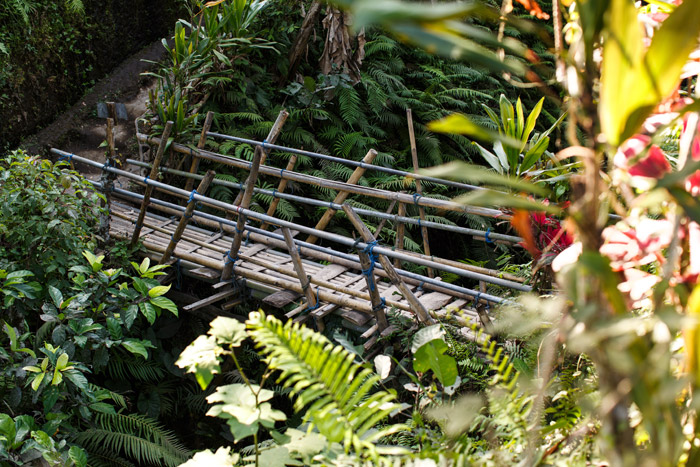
{"points": [[194, 166], [304, 280], [416, 306], [271, 138], [186, 216], [149, 188], [343, 195], [383, 221], [419, 188], [400, 229], [376, 299], [107, 180], [280, 189]]}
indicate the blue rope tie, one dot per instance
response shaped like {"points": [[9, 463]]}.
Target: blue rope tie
{"points": [[194, 192], [64, 157], [239, 231], [419, 224], [178, 274], [229, 258], [477, 298], [274, 193], [107, 164], [369, 249], [263, 144], [312, 308], [172, 238], [188, 216], [145, 179], [247, 239], [380, 306], [330, 205], [416, 197], [281, 173], [420, 287], [486, 236]]}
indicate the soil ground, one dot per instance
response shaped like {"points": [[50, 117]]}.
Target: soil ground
{"points": [[80, 131]]}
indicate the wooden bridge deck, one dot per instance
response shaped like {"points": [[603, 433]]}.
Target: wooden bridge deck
{"points": [[267, 270]]}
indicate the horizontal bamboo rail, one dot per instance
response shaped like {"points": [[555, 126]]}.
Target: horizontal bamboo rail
{"points": [[415, 198], [277, 194]]}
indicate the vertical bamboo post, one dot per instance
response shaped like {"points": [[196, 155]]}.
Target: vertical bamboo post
{"points": [[416, 306], [419, 188], [186, 216], [304, 279], [280, 188], [373, 290], [343, 195], [383, 221], [271, 138], [398, 245], [194, 167], [107, 180], [149, 188], [232, 254]]}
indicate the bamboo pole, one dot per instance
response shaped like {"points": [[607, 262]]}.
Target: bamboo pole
{"points": [[299, 268], [416, 306], [107, 179], [280, 189], [400, 228], [201, 188], [154, 174], [227, 272], [419, 188], [271, 138], [194, 167], [335, 185], [343, 195], [384, 219], [376, 299]]}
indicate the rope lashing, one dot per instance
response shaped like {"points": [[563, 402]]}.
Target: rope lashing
{"points": [[281, 173], [487, 238], [380, 306], [416, 197], [312, 308], [263, 144], [145, 179], [247, 239], [230, 259], [107, 164], [65, 157], [369, 249], [194, 192]]}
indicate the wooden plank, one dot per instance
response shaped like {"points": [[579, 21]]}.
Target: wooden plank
{"points": [[209, 300], [435, 300], [355, 317], [205, 273], [282, 298], [330, 272]]}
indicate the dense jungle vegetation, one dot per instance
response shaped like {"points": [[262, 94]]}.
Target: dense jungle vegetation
{"points": [[581, 117]]}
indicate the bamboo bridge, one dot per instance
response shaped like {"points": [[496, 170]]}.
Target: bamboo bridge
{"points": [[237, 250]]}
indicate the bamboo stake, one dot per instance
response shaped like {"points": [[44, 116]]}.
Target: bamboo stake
{"points": [[376, 299], [299, 268], [107, 180], [416, 306], [201, 188], [419, 188], [343, 195], [383, 222], [280, 189], [227, 272], [398, 245], [194, 167], [271, 138], [149, 189], [335, 185]]}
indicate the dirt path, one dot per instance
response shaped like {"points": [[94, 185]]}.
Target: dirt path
{"points": [[79, 131]]}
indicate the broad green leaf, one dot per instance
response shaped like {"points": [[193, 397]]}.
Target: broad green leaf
{"points": [[201, 358], [166, 303], [129, 315], [306, 444], [78, 456], [493, 160], [19, 274], [228, 331], [102, 407], [62, 361], [143, 267], [7, 427], [431, 356], [531, 122], [77, 378], [426, 335], [239, 401], [95, 261], [158, 290], [492, 198], [476, 174], [149, 311], [36, 382], [141, 286], [278, 456], [138, 347], [462, 125]]}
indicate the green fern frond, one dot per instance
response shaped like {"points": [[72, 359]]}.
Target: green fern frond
{"points": [[135, 436], [126, 368], [349, 105], [337, 393]]}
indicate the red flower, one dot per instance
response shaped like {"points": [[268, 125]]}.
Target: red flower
{"points": [[631, 157]]}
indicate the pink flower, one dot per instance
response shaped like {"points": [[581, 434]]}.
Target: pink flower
{"points": [[631, 157]]}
